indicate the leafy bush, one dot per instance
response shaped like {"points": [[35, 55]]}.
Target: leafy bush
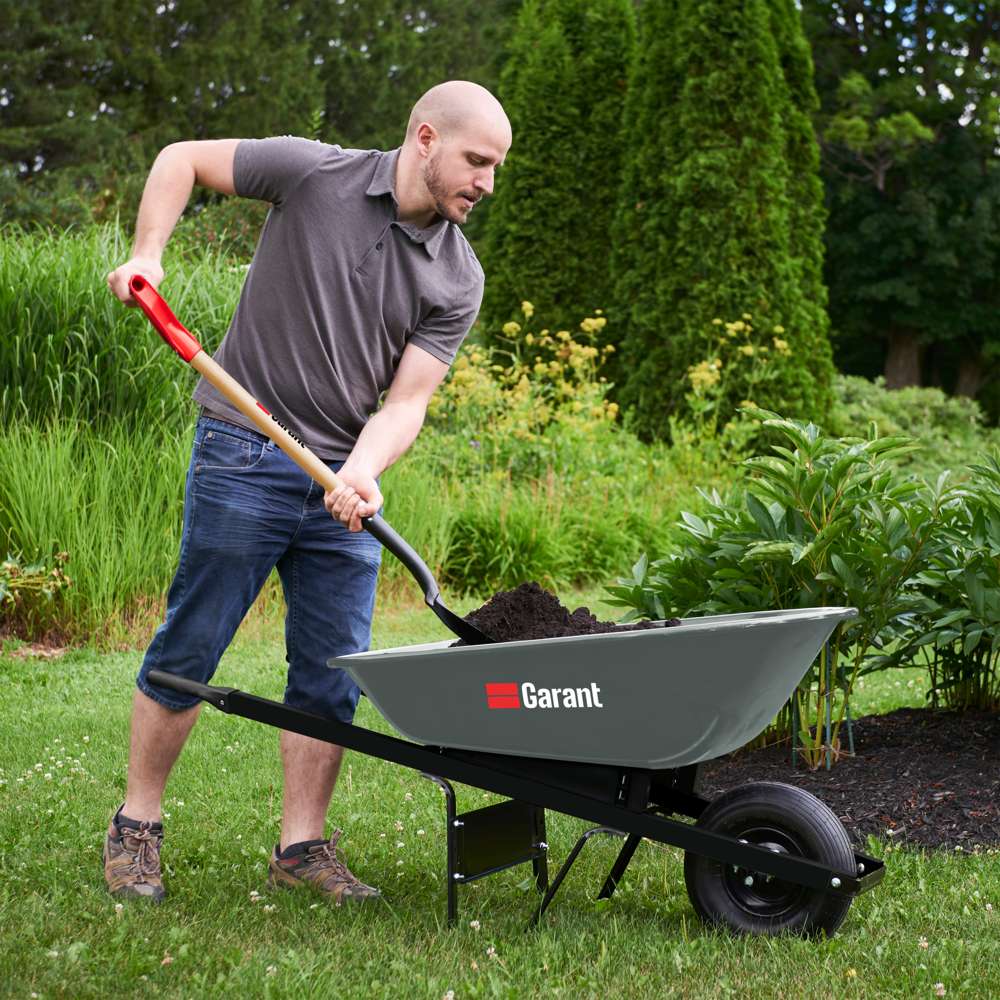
{"points": [[533, 403], [27, 593], [950, 429], [959, 611], [822, 521]]}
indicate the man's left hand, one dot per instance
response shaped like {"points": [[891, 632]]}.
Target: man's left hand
{"points": [[357, 497]]}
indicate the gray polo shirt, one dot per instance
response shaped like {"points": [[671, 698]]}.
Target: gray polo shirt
{"points": [[337, 288]]}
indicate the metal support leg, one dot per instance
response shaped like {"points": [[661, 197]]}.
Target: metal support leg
{"points": [[567, 864], [451, 813], [621, 863]]}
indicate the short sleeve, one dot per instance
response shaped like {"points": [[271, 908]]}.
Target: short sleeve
{"points": [[270, 169], [442, 331]]}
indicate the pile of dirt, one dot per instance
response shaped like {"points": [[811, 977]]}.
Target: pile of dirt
{"points": [[531, 612], [924, 777]]}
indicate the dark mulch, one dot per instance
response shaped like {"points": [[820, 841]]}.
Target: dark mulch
{"points": [[531, 612], [923, 777]]}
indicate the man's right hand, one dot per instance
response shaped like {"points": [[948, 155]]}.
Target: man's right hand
{"points": [[118, 279]]}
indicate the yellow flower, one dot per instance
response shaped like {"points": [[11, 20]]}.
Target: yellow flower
{"points": [[747, 317], [780, 345], [703, 375], [747, 350], [529, 338], [563, 335], [716, 322], [528, 309], [512, 329], [779, 329]]}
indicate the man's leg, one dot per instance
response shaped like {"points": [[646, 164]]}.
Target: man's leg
{"points": [[329, 577], [311, 768], [234, 531], [158, 735]]}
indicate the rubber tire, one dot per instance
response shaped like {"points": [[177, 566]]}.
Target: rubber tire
{"points": [[812, 831]]}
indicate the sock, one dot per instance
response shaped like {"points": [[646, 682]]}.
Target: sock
{"points": [[295, 849], [122, 821]]}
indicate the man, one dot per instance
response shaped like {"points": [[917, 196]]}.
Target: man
{"points": [[361, 285]]}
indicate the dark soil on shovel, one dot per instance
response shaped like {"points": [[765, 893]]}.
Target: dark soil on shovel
{"points": [[531, 612], [922, 777]]}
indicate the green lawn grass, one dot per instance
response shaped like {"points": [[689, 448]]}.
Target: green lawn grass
{"points": [[63, 724]]}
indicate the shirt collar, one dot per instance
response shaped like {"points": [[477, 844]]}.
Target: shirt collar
{"points": [[383, 183]]}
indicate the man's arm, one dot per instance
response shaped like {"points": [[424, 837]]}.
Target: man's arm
{"points": [[175, 172], [386, 436]]}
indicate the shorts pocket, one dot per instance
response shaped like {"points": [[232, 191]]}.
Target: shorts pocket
{"points": [[227, 452]]}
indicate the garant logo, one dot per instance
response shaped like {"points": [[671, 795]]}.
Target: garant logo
{"points": [[287, 430], [529, 696]]}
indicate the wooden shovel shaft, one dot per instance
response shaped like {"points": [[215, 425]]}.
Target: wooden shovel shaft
{"points": [[267, 422], [170, 328]]}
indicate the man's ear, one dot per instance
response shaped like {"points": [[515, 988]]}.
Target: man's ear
{"points": [[427, 136]]}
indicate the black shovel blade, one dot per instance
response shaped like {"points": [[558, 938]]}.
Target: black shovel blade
{"points": [[404, 552], [463, 629]]}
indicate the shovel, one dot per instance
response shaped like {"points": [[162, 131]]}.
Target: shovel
{"points": [[173, 332]]}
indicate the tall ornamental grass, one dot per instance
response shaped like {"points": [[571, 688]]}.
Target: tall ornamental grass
{"points": [[112, 498], [71, 350]]}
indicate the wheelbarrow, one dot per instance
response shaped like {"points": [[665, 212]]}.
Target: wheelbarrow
{"points": [[611, 729], [608, 728]]}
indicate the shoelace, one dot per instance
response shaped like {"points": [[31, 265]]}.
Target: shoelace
{"points": [[328, 856], [146, 859]]}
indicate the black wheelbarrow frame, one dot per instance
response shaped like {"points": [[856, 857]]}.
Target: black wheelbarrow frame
{"points": [[629, 801]]}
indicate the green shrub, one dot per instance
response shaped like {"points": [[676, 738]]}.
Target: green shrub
{"points": [[820, 522], [720, 206], [28, 593], [950, 429], [959, 611]]}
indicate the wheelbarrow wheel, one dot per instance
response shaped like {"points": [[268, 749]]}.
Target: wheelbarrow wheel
{"points": [[784, 819]]}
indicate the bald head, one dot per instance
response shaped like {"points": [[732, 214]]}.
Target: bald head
{"points": [[457, 136], [456, 106]]}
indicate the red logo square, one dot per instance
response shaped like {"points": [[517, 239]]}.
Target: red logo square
{"points": [[502, 696]]}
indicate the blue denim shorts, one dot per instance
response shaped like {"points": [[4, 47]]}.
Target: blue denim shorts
{"points": [[248, 508]]}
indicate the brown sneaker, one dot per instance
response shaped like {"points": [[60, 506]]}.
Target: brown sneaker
{"points": [[132, 861], [321, 868]]}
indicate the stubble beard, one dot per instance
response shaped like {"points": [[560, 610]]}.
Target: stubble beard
{"points": [[439, 192]]}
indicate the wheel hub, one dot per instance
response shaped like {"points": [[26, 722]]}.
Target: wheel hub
{"points": [[758, 894]]}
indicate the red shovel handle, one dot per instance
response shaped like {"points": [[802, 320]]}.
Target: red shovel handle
{"points": [[167, 325]]}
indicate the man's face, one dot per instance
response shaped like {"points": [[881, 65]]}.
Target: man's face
{"points": [[460, 171]]}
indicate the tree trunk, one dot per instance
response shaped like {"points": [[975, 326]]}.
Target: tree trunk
{"points": [[902, 359], [970, 375]]}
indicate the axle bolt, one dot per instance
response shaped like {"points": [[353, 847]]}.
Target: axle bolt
{"points": [[835, 882], [748, 880]]}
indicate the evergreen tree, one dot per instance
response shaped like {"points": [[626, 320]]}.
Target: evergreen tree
{"points": [[706, 221], [97, 89], [548, 233], [56, 108], [910, 129], [377, 57]]}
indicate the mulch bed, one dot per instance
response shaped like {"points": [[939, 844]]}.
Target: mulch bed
{"points": [[921, 777]]}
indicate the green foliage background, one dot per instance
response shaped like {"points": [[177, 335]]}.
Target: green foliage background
{"points": [[719, 213], [550, 225]]}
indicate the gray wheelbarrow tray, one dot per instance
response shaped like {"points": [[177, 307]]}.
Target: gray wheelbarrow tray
{"points": [[611, 729], [666, 697]]}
